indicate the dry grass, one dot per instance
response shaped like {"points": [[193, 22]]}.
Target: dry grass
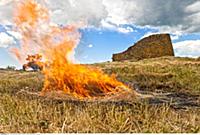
{"points": [[173, 81]]}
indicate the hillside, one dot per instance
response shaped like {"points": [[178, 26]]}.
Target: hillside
{"points": [[167, 100]]}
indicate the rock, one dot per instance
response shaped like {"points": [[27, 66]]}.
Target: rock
{"points": [[150, 47]]}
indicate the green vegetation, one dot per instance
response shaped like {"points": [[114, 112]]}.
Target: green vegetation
{"points": [[173, 83], [10, 68]]}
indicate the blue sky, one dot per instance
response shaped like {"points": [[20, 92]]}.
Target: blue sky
{"points": [[112, 28], [106, 42]]}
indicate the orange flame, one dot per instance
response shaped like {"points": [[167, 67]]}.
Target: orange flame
{"points": [[34, 62], [56, 44]]}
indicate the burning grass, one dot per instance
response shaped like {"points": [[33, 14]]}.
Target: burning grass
{"points": [[57, 44]]}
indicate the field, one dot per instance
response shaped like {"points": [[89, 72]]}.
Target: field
{"points": [[167, 100]]}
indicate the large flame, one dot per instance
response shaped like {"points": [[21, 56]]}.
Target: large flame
{"points": [[57, 44]]}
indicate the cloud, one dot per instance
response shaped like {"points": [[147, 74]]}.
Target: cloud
{"points": [[125, 30], [6, 40], [114, 27], [88, 12], [168, 16], [189, 48], [149, 34], [172, 16], [14, 34], [90, 45], [174, 36], [8, 37], [194, 17]]}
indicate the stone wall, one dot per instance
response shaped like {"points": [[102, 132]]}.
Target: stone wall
{"points": [[150, 47]]}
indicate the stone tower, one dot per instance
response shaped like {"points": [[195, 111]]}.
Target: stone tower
{"points": [[150, 47]]}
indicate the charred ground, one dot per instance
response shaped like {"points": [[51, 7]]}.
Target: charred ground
{"points": [[168, 100]]}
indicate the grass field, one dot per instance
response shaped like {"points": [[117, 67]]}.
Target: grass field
{"points": [[169, 101]]}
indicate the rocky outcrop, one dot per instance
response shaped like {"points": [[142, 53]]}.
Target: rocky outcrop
{"points": [[150, 47]]}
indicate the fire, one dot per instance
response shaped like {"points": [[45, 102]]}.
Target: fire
{"points": [[34, 62], [57, 44]]}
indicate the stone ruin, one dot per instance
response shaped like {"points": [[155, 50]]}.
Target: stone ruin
{"points": [[150, 47]]}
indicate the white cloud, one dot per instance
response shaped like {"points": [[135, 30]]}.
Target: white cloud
{"points": [[193, 7], [125, 30], [14, 34], [171, 15], [87, 12], [9, 37], [6, 40], [189, 48], [108, 25], [90, 45], [149, 34], [194, 16], [174, 36]]}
